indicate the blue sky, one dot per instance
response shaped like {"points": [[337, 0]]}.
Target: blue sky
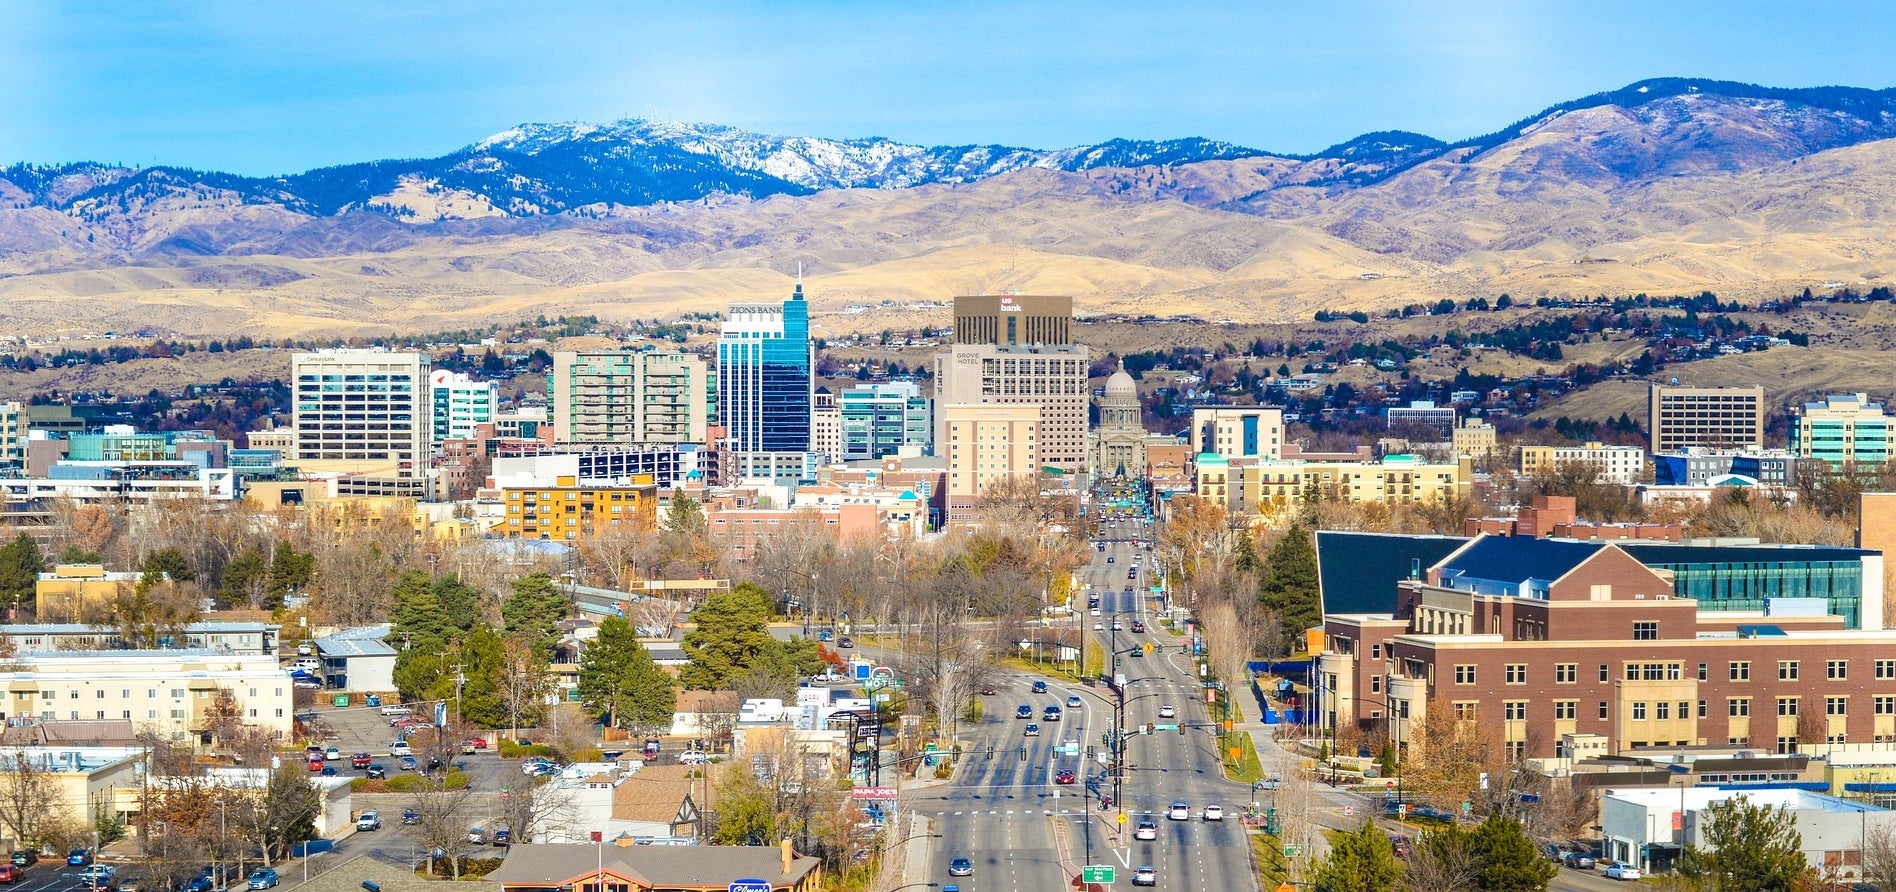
{"points": [[270, 87]]}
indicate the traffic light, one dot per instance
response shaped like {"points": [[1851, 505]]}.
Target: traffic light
{"points": [[1181, 729], [1115, 662], [1089, 754], [1150, 727]]}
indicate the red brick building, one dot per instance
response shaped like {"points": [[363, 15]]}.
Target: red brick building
{"points": [[1537, 639]]}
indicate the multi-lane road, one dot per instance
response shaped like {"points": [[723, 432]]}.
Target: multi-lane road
{"points": [[1023, 832]]}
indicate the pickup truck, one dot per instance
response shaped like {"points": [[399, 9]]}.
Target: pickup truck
{"points": [[395, 709]]}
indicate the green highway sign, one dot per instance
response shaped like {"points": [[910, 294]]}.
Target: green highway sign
{"points": [[1097, 873], [1165, 727]]}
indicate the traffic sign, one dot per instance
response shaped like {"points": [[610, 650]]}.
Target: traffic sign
{"points": [[1122, 818], [1349, 811], [1389, 785], [749, 886], [1091, 873]]}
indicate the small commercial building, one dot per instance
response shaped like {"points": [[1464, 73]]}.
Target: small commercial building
{"points": [[166, 692], [357, 659], [1649, 826], [258, 639]]}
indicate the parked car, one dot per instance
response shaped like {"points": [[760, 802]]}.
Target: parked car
{"points": [[503, 837], [360, 761], [694, 757], [78, 857], [844, 642], [1580, 860], [411, 816], [98, 874], [9, 874], [263, 878], [376, 771], [409, 764], [25, 858], [369, 820], [203, 882], [329, 771], [1620, 870], [394, 709], [477, 836], [651, 748], [1145, 876]]}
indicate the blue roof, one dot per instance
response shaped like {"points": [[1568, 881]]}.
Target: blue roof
{"points": [[1358, 572], [1516, 559]]}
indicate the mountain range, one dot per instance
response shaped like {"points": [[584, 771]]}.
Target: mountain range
{"points": [[1664, 185]]}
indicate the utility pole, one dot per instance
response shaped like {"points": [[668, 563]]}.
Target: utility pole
{"points": [[459, 680]]}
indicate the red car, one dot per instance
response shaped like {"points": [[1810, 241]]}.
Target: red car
{"points": [[316, 763], [1064, 777], [479, 743], [360, 761]]}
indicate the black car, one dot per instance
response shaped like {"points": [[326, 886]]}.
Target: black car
{"points": [[25, 858], [845, 642], [411, 816], [377, 771], [1023, 711]]}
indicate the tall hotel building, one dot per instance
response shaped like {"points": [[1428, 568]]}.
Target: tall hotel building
{"points": [[995, 361], [1724, 418], [621, 396], [368, 406], [765, 387]]}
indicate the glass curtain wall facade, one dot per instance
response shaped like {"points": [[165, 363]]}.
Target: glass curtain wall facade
{"points": [[879, 419], [1741, 578], [764, 376]]}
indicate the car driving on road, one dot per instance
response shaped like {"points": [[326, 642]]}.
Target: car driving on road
{"points": [[1145, 876], [1032, 730], [961, 867], [1214, 813], [1147, 829], [263, 878], [1168, 711], [1074, 702], [1179, 812]]}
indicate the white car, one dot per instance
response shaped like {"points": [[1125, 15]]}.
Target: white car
{"points": [[694, 757], [395, 709], [370, 820], [1179, 812], [1214, 813], [1116, 625], [1147, 830], [1096, 611], [1620, 870], [1145, 876], [400, 748], [1168, 711], [1099, 627]]}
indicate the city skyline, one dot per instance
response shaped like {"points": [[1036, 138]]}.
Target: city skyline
{"points": [[265, 91]]}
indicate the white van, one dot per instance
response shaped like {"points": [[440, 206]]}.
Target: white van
{"points": [[395, 709]]}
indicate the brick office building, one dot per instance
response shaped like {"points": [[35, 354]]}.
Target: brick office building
{"points": [[1539, 639]]}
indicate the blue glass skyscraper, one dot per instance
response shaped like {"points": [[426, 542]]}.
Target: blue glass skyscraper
{"points": [[764, 376]]}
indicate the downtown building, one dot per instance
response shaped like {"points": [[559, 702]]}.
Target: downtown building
{"points": [[765, 386], [1018, 350], [1720, 418], [362, 408], [460, 404], [627, 396], [1841, 430], [880, 420], [1555, 647]]}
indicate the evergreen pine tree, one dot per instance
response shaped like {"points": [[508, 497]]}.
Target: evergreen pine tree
{"points": [[1290, 583]]}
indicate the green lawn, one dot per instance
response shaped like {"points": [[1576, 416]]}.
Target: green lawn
{"points": [[1245, 767]]}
